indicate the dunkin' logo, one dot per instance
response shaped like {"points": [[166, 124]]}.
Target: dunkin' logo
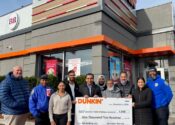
{"points": [[89, 101], [13, 21]]}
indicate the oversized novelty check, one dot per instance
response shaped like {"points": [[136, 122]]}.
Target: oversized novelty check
{"points": [[103, 111]]}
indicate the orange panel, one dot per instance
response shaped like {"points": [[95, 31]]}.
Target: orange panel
{"points": [[91, 40]]}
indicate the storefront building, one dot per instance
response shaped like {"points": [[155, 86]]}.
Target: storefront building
{"points": [[98, 36]]}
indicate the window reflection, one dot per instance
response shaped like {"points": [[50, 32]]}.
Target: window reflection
{"points": [[79, 60], [85, 57], [52, 64]]}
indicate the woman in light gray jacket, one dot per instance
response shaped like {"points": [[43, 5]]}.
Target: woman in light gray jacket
{"points": [[111, 91], [60, 106]]}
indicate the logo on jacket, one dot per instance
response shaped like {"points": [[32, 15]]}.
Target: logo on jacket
{"points": [[156, 85]]}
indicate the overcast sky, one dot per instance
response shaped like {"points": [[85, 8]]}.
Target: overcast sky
{"points": [[150, 3], [7, 6]]}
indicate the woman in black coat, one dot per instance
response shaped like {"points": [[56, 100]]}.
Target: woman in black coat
{"points": [[142, 100]]}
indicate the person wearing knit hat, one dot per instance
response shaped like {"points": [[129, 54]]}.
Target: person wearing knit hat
{"points": [[39, 101], [162, 96], [152, 69], [44, 77]]}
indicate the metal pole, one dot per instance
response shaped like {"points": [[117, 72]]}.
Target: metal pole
{"points": [[63, 65]]}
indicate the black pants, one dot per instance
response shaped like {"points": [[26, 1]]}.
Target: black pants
{"points": [[60, 119], [73, 119], [161, 116], [43, 119]]}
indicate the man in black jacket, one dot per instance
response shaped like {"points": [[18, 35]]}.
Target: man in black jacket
{"points": [[125, 86], [73, 89], [89, 89]]}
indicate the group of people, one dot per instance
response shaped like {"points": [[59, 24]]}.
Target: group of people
{"points": [[150, 99]]}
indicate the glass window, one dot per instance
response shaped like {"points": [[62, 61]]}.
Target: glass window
{"points": [[114, 65], [79, 60], [128, 68], [52, 64]]}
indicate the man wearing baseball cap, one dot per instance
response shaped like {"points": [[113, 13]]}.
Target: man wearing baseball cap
{"points": [[162, 96], [39, 101]]}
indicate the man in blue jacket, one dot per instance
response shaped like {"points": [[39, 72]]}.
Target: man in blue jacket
{"points": [[14, 96], [162, 95], [39, 101]]}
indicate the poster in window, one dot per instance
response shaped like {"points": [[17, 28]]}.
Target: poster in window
{"points": [[128, 69], [115, 69], [51, 67], [74, 64]]}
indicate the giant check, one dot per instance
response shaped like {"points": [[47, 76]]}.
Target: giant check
{"points": [[103, 111]]}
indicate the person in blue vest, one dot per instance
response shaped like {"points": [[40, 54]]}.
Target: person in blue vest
{"points": [[162, 96], [39, 101], [14, 97]]}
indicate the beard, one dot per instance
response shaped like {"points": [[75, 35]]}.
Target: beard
{"points": [[101, 83], [153, 77], [123, 82]]}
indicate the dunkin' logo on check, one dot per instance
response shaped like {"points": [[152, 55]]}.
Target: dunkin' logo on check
{"points": [[89, 101]]}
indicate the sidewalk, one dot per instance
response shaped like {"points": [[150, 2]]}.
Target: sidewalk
{"points": [[30, 123], [171, 121]]}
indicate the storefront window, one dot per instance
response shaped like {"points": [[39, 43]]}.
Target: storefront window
{"points": [[128, 68], [80, 61], [114, 65], [59, 64], [52, 64]]}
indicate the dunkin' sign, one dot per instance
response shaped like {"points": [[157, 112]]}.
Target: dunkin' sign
{"points": [[13, 21]]}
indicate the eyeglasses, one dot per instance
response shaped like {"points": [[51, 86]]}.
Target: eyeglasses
{"points": [[71, 75]]}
